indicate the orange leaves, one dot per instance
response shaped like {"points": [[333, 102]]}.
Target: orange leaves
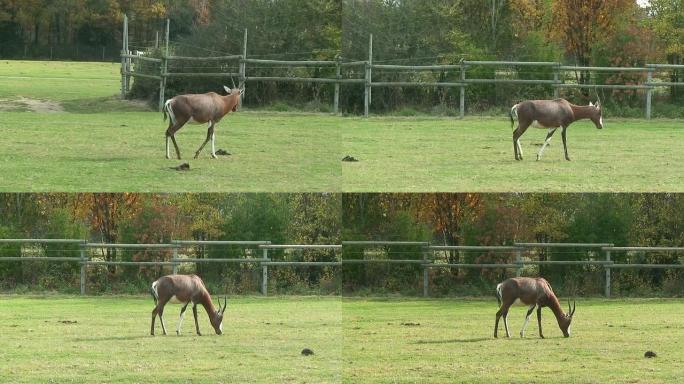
{"points": [[581, 24]]}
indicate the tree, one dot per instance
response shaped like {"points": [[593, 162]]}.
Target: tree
{"points": [[580, 24]]}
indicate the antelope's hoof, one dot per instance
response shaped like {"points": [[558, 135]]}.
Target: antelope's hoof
{"points": [[567, 158], [178, 333], [214, 156]]}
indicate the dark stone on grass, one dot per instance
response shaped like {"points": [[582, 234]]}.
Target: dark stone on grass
{"points": [[182, 167], [411, 324], [222, 152], [349, 158], [650, 354], [68, 321], [307, 352]]}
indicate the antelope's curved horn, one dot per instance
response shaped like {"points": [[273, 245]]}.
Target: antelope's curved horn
{"points": [[233, 81], [574, 306], [225, 303]]}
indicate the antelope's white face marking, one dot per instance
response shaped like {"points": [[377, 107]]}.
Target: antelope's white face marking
{"points": [[601, 121], [221, 327]]}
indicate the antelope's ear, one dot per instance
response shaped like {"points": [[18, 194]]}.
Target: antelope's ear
{"points": [[598, 104], [227, 89], [591, 104]]}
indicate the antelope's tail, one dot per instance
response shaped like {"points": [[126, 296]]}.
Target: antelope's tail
{"points": [[168, 109], [153, 292], [513, 114], [498, 293]]}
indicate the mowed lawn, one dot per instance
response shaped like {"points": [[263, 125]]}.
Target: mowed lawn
{"points": [[440, 341], [125, 152], [106, 340], [100, 143], [476, 154]]}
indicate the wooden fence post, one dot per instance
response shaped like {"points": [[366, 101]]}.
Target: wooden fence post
{"points": [[607, 275], [338, 76], [366, 89], [264, 274], [243, 67], [462, 99], [556, 73], [426, 275], [518, 259], [649, 91], [123, 59], [175, 259], [83, 269], [370, 69], [163, 69]]}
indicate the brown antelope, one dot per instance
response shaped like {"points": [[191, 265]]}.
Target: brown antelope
{"points": [[199, 108], [550, 114], [183, 289], [532, 292]]}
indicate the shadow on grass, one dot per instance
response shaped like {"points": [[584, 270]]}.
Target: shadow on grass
{"points": [[473, 340], [114, 338]]}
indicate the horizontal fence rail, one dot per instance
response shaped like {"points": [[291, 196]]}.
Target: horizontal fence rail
{"points": [[160, 71]]}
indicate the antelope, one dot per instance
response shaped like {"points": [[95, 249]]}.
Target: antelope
{"points": [[199, 109], [183, 289], [534, 292], [550, 114]]}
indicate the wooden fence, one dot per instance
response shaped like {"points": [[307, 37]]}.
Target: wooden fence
{"points": [[430, 261], [130, 62], [176, 260]]}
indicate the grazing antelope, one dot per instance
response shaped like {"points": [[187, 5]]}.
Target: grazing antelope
{"points": [[550, 114], [532, 292], [183, 289], [199, 108]]}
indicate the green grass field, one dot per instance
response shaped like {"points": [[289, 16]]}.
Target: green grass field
{"points": [[106, 339], [425, 155], [100, 143], [109, 341], [439, 341]]}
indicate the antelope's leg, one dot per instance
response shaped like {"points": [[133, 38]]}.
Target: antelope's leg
{"points": [[546, 142], [539, 321], [161, 319], [154, 317], [213, 148], [565, 146], [210, 133], [170, 133], [505, 317], [496, 324], [194, 312], [515, 143], [527, 319], [180, 321]]}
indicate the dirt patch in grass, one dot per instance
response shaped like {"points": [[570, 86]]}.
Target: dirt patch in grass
{"points": [[32, 105]]}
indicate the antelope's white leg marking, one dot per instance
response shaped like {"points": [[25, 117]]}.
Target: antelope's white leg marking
{"points": [[180, 321], [519, 147], [213, 149], [168, 155], [527, 319], [546, 142], [506, 325]]}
